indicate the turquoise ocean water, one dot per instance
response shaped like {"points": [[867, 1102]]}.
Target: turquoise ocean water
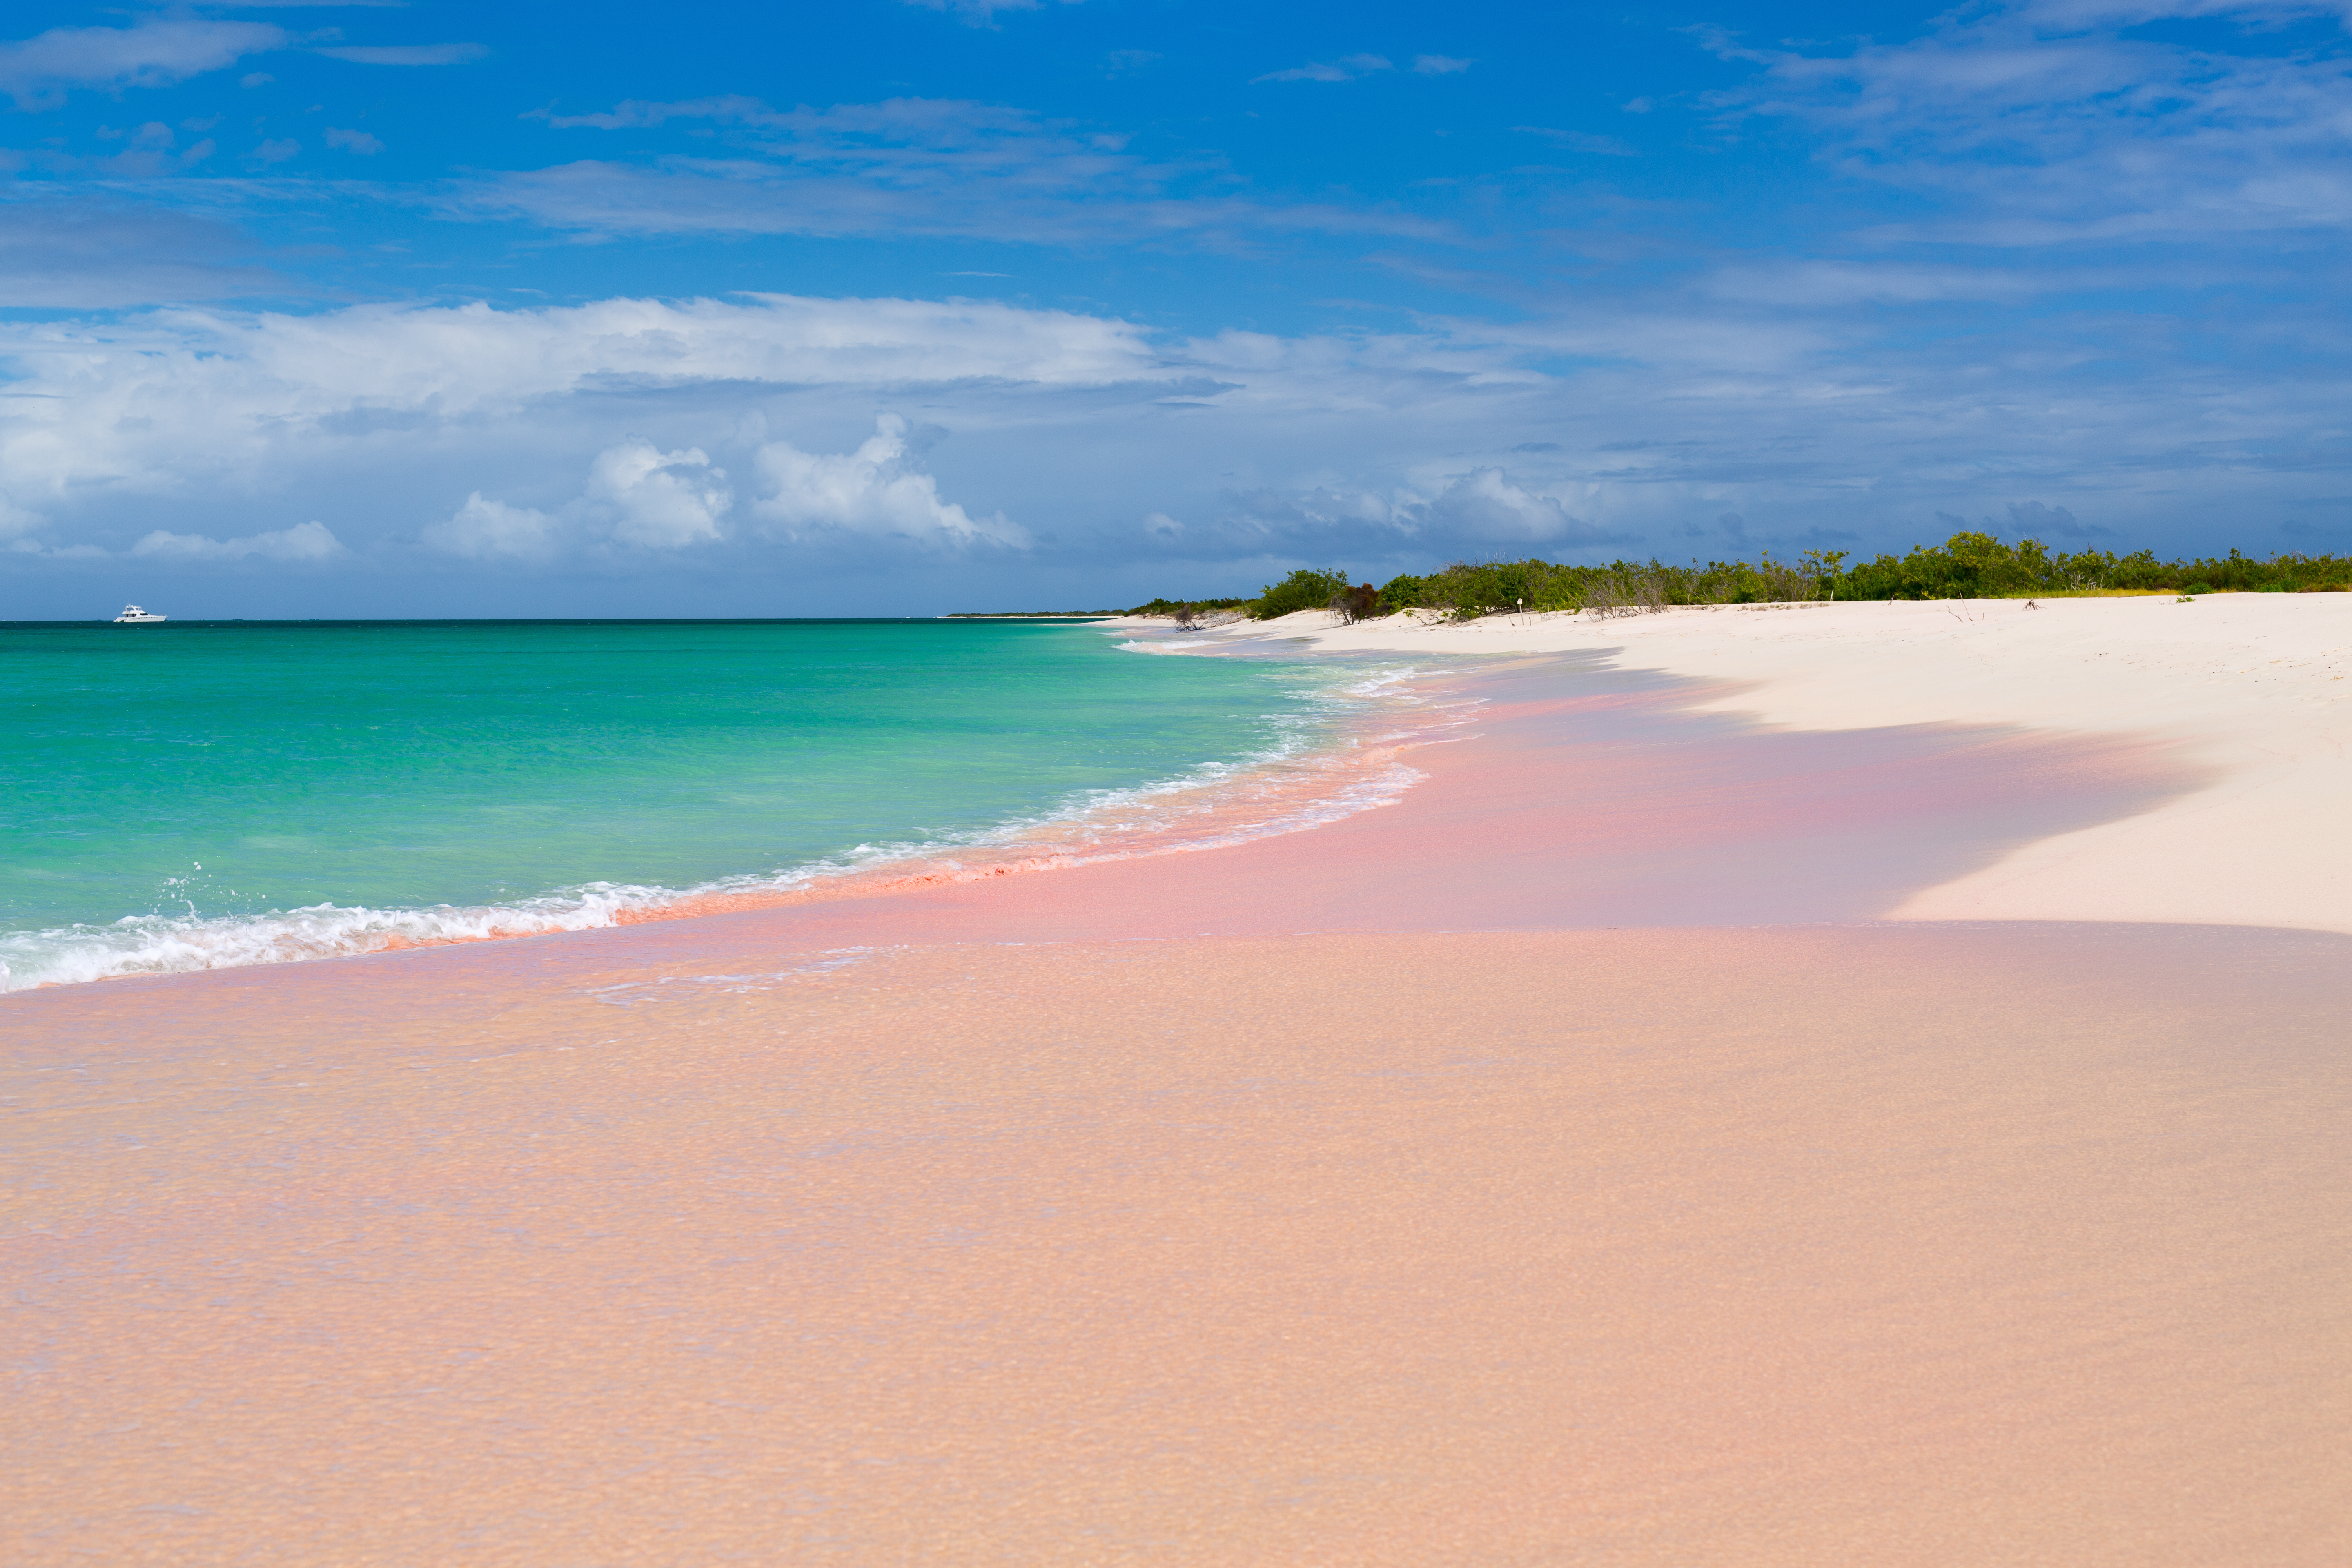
{"points": [[199, 794]]}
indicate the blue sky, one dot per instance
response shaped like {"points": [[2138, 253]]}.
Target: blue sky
{"points": [[881, 307]]}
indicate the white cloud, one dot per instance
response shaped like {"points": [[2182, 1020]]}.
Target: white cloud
{"points": [[1826, 284], [199, 400], [484, 530], [37, 71], [408, 53], [1440, 65], [1484, 506], [1478, 512], [663, 500], [358, 141], [1348, 67], [881, 489], [276, 150], [256, 79], [732, 436], [2046, 123], [305, 542]]}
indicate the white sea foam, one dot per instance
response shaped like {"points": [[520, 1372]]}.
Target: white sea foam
{"points": [[1307, 778]]}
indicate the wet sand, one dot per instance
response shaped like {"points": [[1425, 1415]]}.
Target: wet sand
{"points": [[1326, 1198]]}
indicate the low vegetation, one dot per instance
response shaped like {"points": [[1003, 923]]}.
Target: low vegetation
{"points": [[1185, 609], [1966, 566]]}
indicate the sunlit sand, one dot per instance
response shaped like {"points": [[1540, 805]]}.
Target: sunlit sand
{"points": [[1354, 1195]]}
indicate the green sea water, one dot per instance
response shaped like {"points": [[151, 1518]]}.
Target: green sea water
{"points": [[196, 793]]}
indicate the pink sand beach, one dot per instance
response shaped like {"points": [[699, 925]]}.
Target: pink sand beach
{"points": [[1609, 1152]]}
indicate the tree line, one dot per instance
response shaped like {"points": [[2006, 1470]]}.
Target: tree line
{"points": [[1966, 566]]}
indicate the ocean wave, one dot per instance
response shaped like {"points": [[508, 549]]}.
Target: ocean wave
{"points": [[1338, 758]]}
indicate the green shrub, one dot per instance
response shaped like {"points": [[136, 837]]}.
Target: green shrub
{"points": [[1172, 607], [1305, 589]]}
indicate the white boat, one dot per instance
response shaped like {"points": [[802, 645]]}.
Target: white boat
{"points": [[132, 616]]}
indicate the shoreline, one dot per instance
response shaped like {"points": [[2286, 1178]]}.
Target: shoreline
{"points": [[1545, 791], [1333, 765]]}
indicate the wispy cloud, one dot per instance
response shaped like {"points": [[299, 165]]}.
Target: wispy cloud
{"points": [[1581, 140], [1347, 68], [909, 166], [36, 72], [2048, 122], [1440, 65], [982, 13], [407, 54], [100, 254]]}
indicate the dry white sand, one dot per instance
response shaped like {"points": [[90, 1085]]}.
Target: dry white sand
{"points": [[2253, 686]]}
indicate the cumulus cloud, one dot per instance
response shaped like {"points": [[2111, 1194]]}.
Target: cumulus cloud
{"points": [[663, 500], [1484, 506], [305, 542], [713, 432], [639, 496], [358, 141], [484, 530], [220, 395], [36, 72], [881, 489]]}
